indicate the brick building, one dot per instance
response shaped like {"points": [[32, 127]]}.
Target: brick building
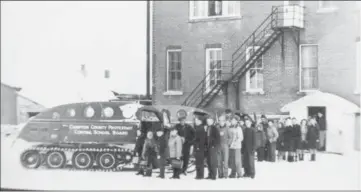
{"points": [[327, 39], [255, 56]]}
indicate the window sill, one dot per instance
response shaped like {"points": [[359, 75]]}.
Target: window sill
{"points": [[218, 18], [254, 92], [173, 93], [327, 10], [303, 92]]}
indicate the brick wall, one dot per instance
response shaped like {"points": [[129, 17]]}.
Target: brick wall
{"points": [[171, 26]]}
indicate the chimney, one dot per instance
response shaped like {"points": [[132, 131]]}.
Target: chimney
{"points": [[106, 74], [83, 70]]}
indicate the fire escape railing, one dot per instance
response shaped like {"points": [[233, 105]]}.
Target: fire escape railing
{"points": [[262, 37]]}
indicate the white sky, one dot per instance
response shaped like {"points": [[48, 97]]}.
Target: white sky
{"points": [[43, 44]]}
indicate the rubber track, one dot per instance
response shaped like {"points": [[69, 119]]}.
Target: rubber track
{"points": [[43, 149]]}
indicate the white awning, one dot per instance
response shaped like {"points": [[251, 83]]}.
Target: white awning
{"points": [[322, 99]]}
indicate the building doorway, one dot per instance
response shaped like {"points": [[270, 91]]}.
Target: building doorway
{"points": [[313, 112]]}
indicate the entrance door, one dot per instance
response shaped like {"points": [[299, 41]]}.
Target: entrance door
{"points": [[213, 67], [335, 133], [293, 15]]}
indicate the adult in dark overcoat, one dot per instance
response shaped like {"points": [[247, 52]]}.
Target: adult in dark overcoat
{"points": [[162, 142], [280, 142], [213, 144], [187, 133], [150, 153], [141, 136], [312, 137], [287, 138], [200, 143], [249, 148], [296, 137]]}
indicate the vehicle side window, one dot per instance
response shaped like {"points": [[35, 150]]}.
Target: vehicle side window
{"points": [[149, 116], [91, 111]]}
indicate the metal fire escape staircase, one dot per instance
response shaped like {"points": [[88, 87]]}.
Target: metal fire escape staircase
{"points": [[262, 38]]}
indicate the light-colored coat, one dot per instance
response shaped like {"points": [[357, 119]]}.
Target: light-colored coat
{"points": [[272, 134], [236, 138], [175, 146]]}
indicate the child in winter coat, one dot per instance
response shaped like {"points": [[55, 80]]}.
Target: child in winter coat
{"points": [[150, 153], [175, 145]]}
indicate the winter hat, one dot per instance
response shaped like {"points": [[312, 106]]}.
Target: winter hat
{"points": [[236, 117], [263, 116], [181, 118]]}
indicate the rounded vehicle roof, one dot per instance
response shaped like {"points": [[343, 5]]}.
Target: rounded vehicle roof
{"points": [[97, 111]]}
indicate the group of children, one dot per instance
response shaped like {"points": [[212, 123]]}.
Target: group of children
{"points": [[230, 141]]}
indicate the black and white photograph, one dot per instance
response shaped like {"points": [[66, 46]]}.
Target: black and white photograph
{"points": [[180, 95]]}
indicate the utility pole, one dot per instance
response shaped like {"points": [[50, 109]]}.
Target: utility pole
{"points": [[148, 39]]}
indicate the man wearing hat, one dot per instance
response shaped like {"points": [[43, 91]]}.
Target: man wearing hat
{"points": [[187, 133]]}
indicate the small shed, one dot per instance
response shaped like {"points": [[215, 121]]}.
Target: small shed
{"points": [[341, 119]]}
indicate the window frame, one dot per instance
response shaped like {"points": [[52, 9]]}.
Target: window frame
{"points": [[167, 70], [322, 9], [300, 68], [248, 80], [225, 12], [208, 50]]}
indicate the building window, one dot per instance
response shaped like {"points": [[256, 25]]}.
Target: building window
{"points": [[326, 5], [308, 67], [210, 9], [254, 76], [174, 70], [213, 67]]}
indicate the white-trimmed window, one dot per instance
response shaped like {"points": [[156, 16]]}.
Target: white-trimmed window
{"points": [[174, 70], [326, 6], [254, 76], [210, 9], [308, 67], [213, 66]]}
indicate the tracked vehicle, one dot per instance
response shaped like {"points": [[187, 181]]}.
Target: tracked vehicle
{"points": [[87, 136]]}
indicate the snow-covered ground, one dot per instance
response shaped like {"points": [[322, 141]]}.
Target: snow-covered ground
{"points": [[329, 172]]}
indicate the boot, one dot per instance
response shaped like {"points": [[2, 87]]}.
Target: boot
{"points": [[313, 157], [284, 157], [140, 172], [301, 157], [292, 159], [295, 157], [289, 157]]}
